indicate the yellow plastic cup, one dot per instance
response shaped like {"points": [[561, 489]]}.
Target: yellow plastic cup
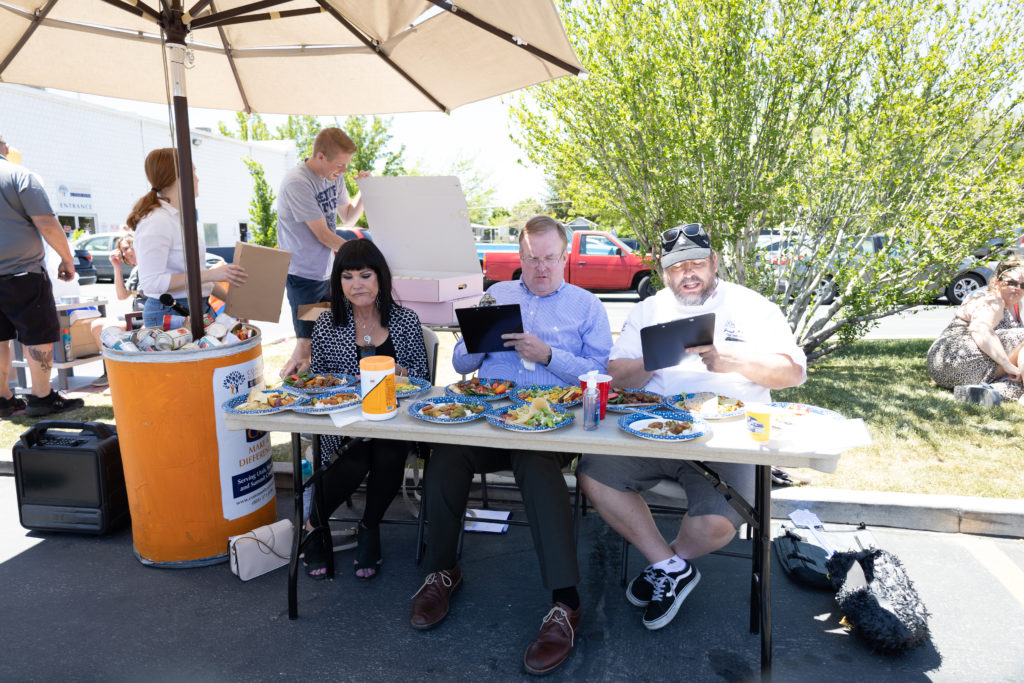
{"points": [[759, 421]]}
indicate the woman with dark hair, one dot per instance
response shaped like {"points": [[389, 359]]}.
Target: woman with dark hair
{"points": [[364, 320], [982, 344], [156, 220]]}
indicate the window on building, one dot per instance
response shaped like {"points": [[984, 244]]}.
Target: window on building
{"points": [[210, 234]]}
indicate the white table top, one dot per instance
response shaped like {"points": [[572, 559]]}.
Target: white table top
{"points": [[729, 440]]}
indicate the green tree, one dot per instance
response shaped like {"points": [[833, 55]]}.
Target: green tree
{"points": [[250, 127], [828, 121], [261, 207], [303, 130]]}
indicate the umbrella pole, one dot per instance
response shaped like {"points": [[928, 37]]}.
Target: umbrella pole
{"points": [[186, 188]]}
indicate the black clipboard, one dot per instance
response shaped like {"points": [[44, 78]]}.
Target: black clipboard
{"points": [[482, 326], [664, 345]]}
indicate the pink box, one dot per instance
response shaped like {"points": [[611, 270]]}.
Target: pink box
{"points": [[442, 312], [444, 287]]}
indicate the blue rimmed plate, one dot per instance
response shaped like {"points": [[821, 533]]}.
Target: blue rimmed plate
{"points": [[497, 418], [333, 402], [652, 401], [636, 423], [346, 380], [420, 384], [548, 391], [721, 408], [416, 409], [234, 405], [459, 388]]}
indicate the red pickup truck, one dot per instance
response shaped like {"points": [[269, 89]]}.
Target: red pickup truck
{"points": [[597, 261]]}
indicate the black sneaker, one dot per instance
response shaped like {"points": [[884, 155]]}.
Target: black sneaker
{"points": [[54, 403], [641, 588], [670, 589], [11, 405]]}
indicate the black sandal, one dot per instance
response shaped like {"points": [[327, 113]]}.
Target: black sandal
{"points": [[315, 560], [368, 554]]}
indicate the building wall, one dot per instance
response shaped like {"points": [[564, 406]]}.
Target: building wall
{"points": [[91, 159]]}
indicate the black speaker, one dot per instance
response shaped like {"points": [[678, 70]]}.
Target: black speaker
{"points": [[68, 477]]}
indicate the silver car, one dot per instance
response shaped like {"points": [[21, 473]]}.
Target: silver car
{"points": [[103, 245]]}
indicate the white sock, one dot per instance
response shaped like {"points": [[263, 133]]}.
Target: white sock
{"points": [[672, 564]]}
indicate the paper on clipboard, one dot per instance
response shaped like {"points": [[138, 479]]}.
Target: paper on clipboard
{"points": [[261, 295], [487, 527]]}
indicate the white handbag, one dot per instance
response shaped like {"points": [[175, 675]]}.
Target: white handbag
{"points": [[261, 550]]}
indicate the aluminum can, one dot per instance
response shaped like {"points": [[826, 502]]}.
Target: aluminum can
{"points": [[173, 322], [179, 337], [226, 320], [215, 329], [111, 335], [143, 338], [207, 319], [208, 342], [191, 346], [124, 345]]}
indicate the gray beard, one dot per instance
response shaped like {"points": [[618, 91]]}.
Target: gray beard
{"points": [[700, 297]]}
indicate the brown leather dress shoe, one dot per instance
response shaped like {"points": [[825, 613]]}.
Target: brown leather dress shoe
{"points": [[430, 604], [554, 642]]}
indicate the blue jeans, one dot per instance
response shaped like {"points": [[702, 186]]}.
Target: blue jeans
{"points": [[153, 311], [302, 291]]}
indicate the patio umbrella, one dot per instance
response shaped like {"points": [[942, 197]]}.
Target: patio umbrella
{"points": [[324, 57]]}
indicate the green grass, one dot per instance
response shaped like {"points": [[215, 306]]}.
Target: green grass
{"points": [[924, 440]]}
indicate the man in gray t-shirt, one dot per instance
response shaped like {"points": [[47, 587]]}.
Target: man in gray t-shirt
{"points": [[311, 199], [27, 310]]}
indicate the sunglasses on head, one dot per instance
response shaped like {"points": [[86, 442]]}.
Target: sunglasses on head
{"points": [[671, 236]]}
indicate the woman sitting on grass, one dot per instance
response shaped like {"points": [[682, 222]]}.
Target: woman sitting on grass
{"points": [[983, 341]]}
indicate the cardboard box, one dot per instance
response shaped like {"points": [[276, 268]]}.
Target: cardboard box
{"points": [[262, 294], [441, 312], [82, 343], [421, 225], [311, 312]]}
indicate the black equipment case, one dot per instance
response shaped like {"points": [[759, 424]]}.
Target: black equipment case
{"points": [[69, 477]]}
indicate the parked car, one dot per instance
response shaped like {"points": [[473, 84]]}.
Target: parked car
{"points": [[973, 273], [101, 246], [84, 268], [596, 261]]}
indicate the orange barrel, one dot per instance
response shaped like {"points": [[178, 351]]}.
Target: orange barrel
{"points": [[191, 482]]}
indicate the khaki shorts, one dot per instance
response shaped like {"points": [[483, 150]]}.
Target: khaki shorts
{"points": [[640, 474]]}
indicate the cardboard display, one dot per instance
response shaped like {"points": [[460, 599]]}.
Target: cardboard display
{"points": [[82, 343], [421, 225], [311, 312], [262, 294]]}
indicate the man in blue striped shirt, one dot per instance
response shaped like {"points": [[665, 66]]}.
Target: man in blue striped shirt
{"points": [[566, 334]]}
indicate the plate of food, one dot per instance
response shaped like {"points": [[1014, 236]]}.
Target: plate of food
{"points": [[261, 402], [627, 400], [488, 389], [448, 409], [333, 402], [306, 382], [707, 404], [536, 416], [410, 386], [562, 396], [793, 419], [669, 425]]}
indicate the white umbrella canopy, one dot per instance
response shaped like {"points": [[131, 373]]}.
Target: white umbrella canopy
{"points": [[326, 57], [297, 57]]}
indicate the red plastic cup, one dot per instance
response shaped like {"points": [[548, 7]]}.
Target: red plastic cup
{"points": [[604, 385]]}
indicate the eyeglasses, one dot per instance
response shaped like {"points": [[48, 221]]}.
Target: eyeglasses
{"points": [[1013, 283], [671, 236], [547, 260]]}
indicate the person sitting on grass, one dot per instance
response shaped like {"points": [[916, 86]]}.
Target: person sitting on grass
{"points": [[982, 344]]}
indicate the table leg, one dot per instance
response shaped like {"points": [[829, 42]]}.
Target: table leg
{"points": [[293, 563], [761, 579]]}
